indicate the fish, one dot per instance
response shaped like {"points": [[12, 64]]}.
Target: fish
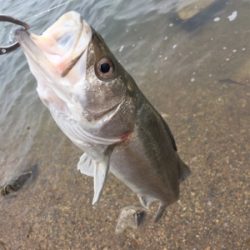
{"points": [[100, 108]]}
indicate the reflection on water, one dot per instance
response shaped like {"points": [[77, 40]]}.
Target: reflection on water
{"points": [[193, 66]]}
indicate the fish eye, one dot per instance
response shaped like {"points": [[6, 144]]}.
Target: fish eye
{"points": [[104, 69]]}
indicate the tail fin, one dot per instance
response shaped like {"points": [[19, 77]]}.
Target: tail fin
{"points": [[184, 171]]}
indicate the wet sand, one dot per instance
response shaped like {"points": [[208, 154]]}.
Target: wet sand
{"points": [[212, 132], [210, 120]]}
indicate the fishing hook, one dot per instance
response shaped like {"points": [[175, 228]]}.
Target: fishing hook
{"points": [[15, 45]]}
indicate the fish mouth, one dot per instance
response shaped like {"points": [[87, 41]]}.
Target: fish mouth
{"points": [[59, 47]]}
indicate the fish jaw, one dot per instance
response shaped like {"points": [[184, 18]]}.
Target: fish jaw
{"points": [[58, 59], [56, 51]]}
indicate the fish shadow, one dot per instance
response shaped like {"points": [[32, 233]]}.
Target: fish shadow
{"points": [[18, 182]]}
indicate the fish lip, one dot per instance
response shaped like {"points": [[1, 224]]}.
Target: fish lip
{"points": [[23, 38], [32, 51], [38, 56]]}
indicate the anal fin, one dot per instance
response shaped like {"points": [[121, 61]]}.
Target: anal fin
{"points": [[160, 211], [145, 200]]}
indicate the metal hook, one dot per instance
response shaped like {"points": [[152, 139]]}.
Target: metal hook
{"points": [[11, 47]]}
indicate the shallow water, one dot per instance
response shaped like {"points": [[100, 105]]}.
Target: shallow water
{"points": [[195, 73]]}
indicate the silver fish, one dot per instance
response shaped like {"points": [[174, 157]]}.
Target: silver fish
{"points": [[98, 105]]}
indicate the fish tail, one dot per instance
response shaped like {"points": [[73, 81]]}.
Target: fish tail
{"points": [[184, 170]]}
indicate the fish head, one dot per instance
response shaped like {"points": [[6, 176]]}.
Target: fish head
{"points": [[74, 67]]}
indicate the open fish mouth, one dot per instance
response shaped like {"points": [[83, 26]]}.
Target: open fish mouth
{"points": [[60, 46]]}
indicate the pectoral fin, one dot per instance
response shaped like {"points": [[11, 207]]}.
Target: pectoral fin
{"points": [[100, 176], [97, 168], [86, 165]]}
